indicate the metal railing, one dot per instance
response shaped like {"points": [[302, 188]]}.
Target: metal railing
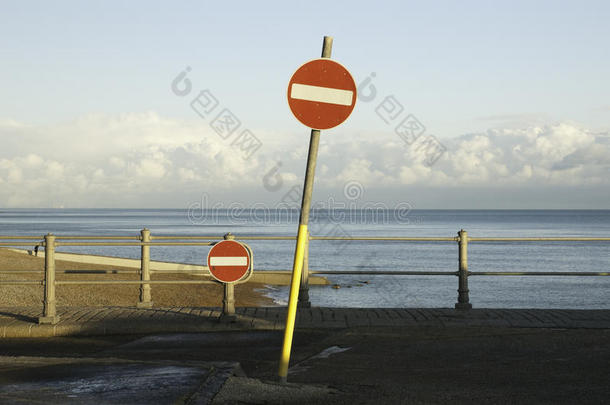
{"points": [[50, 242]]}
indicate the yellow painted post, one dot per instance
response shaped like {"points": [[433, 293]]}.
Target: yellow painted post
{"points": [[304, 290], [302, 236], [145, 296], [49, 315], [292, 303]]}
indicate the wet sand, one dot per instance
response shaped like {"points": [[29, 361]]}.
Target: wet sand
{"points": [[248, 294]]}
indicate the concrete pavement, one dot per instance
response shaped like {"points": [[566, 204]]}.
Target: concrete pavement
{"points": [[359, 365], [340, 356], [79, 321]]}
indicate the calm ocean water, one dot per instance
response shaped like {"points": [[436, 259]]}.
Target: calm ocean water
{"points": [[379, 291]]}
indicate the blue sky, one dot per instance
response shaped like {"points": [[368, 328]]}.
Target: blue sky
{"points": [[462, 68]]}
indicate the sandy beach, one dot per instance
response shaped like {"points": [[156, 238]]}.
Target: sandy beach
{"points": [[20, 265]]}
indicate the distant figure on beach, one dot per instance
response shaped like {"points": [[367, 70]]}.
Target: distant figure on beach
{"points": [[36, 250]]}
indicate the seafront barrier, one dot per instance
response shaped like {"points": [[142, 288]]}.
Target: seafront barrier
{"points": [[145, 267], [272, 277]]}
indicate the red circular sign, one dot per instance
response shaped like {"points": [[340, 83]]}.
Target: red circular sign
{"points": [[229, 261], [322, 94]]}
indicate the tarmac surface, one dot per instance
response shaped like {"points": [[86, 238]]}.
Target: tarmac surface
{"points": [[74, 321], [340, 355]]}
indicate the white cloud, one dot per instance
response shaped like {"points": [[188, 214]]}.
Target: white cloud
{"points": [[123, 160]]}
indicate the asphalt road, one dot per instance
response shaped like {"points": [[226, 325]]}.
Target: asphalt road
{"points": [[357, 365]]}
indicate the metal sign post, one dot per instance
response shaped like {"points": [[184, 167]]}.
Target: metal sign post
{"points": [[301, 238], [230, 263]]}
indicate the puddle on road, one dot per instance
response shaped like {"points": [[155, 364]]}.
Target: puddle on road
{"points": [[103, 383]]}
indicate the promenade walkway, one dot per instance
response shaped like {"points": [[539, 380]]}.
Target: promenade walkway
{"points": [[79, 321]]}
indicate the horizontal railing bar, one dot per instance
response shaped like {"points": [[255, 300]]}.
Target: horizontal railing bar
{"points": [[98, 237], [406, 273], [221, 237], [358, 238], [94, 272], [9, 244], [22, 237], [387, 273], [76, 271], [21, 271], [134, 243], [80, 272], [390, 238], [265, 237], [180, 271], [137, 271], [137, 282], [330, 272], [535, 239], [40, 282], [536, 273], [152, 237]]}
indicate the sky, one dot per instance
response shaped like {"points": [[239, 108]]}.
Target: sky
{"points": [[510, 101]]}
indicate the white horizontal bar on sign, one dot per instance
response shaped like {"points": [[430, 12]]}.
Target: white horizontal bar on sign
{"points": [[321, 94], [229, 261]]}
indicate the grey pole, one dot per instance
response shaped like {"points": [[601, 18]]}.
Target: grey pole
{"points": [[463, 297], [228, 299], [145, 297], [302, 237], [228, 303], [49, 315], [312, 157]]}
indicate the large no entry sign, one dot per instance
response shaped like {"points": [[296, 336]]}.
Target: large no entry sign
{"points": [[322, 94], [229, 261]]}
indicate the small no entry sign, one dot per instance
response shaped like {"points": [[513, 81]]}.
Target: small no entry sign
{"points": [[322, 93], [229, 261]]}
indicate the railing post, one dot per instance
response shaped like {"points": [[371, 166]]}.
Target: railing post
{"points": [[304, 289], [145, 297], [463, 297], [49, 315], [228, 299]]}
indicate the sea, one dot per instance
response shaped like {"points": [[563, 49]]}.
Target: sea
{"points": [[371, 290]]}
